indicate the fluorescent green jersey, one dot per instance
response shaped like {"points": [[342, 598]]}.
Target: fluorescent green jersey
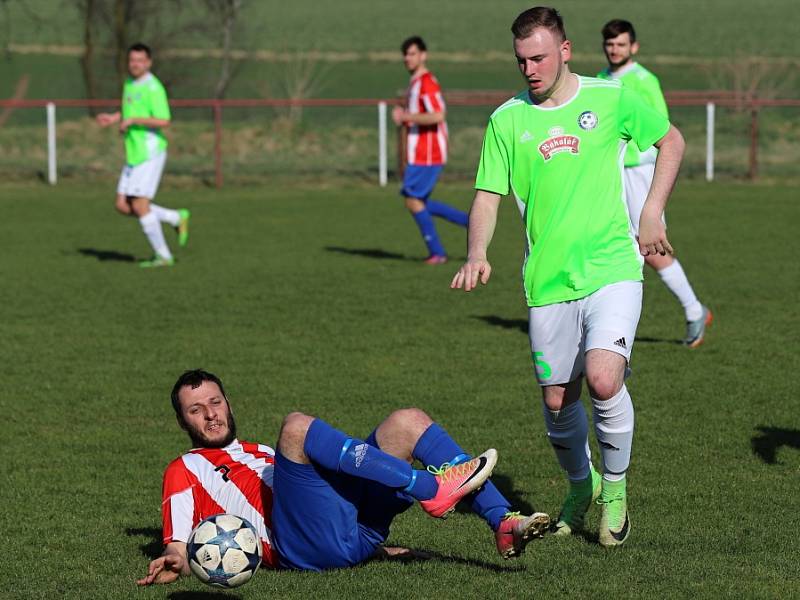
{"points": [[144, 97], [636, 77], [564, 166]]}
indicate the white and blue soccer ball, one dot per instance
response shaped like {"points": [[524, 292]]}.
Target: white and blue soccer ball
{"points": [[224, 551]]}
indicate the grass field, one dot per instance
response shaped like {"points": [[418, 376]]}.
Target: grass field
{"points": [[312, 297]]}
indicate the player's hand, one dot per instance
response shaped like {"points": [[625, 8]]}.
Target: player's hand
{"points": [[104, 119], [653, 236], [398, 115], [164, 569], [470, 273]]}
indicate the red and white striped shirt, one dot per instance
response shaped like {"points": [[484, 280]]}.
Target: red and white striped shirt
{"points": [[427, 144], [236, 479]]}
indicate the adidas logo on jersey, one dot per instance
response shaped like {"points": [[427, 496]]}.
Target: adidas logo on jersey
{"points": [[621, 343], [525, 137]]}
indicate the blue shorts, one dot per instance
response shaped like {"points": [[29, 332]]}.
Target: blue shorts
{"points": [[419, 181], [323, 519]]}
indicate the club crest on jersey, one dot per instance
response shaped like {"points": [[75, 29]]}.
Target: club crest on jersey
{"points": [[558, 142], [587, 120]]}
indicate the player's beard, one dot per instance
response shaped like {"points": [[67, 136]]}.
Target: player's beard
{"points": [[200, 441]]}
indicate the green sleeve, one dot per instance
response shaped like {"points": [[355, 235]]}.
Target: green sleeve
{"points": [[639, 122], [159, 106], [494, 168], [651, 91]]}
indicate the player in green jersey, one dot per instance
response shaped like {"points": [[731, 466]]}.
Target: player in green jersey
{"points": [[620, 47], [145, 113], [557, 147]]}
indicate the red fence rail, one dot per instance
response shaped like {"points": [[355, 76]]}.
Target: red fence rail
{"points": [[724, 98]]}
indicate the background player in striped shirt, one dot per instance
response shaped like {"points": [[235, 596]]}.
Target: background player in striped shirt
{"points": [[426, 147], [557, 148], [324, 499], [620, 46], [145, 113]]}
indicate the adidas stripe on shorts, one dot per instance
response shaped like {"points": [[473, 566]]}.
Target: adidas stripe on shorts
{"points": [[561, 334], [141, 181]]}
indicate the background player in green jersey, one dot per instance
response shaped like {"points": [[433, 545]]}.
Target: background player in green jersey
{"points": [[145, 112], [557, 147], [620, 47]]}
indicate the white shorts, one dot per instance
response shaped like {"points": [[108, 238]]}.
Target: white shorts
{"points": [[561, 334], [637, 184], [141, 181]]}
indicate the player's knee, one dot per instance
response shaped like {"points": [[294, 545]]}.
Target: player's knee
{"points": [[410, 419], [603, 385], [554, 397], [415, 205], [293, 433]]}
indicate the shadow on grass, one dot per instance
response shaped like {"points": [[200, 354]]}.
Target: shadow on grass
{"points": [[189, 595], [368, 253], [104, 255], [154, 547], [520, 324], [653, 340], [766, 444], [417, 555]]}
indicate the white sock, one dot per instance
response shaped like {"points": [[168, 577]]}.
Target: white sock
{"points": [[613, 425], [568, 432], [166, 215], [675, 279], [152, 229]]}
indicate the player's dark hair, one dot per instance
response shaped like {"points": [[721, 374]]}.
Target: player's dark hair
{"points": [[193, 378], [617, 27], [538, 16], [140, 47], [414, 40]]}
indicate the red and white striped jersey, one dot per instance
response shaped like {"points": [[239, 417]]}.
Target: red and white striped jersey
{"points": [[427, 144], [236, 479]]}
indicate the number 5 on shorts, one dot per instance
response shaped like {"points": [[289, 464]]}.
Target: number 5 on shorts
{"points": [[543, 369]]}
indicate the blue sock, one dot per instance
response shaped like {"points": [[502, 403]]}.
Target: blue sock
{"points": [[436, 447], [439, 209], [428, 230], [334, 450]]}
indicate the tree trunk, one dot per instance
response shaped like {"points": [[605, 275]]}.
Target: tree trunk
{"points": [[87, 67]]}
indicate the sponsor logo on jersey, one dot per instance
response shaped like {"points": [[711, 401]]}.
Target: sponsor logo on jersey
{"points": [[587, 120], [558, 142], [360, 452]]}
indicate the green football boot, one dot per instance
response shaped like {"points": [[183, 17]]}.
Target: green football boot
{"points": [[156, 261], [615, 524], [579, 499], [183, 227]]}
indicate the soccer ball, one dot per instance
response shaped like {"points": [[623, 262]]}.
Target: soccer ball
{"points": [[224, 551]]}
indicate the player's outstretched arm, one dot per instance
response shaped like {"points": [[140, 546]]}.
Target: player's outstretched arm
{"points": [[106, 119], [167, 567], [482, 221], [652, 232]]}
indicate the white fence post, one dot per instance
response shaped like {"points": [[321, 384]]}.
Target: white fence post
{"points": [[710, 141], [51, 143], [382, 151]]}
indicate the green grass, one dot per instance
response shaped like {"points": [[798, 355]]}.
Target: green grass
{"points": [[311, 297], [678, 27]]}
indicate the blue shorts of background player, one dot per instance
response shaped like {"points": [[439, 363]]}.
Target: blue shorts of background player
{"points": [[418, 184], [334, 497]]}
